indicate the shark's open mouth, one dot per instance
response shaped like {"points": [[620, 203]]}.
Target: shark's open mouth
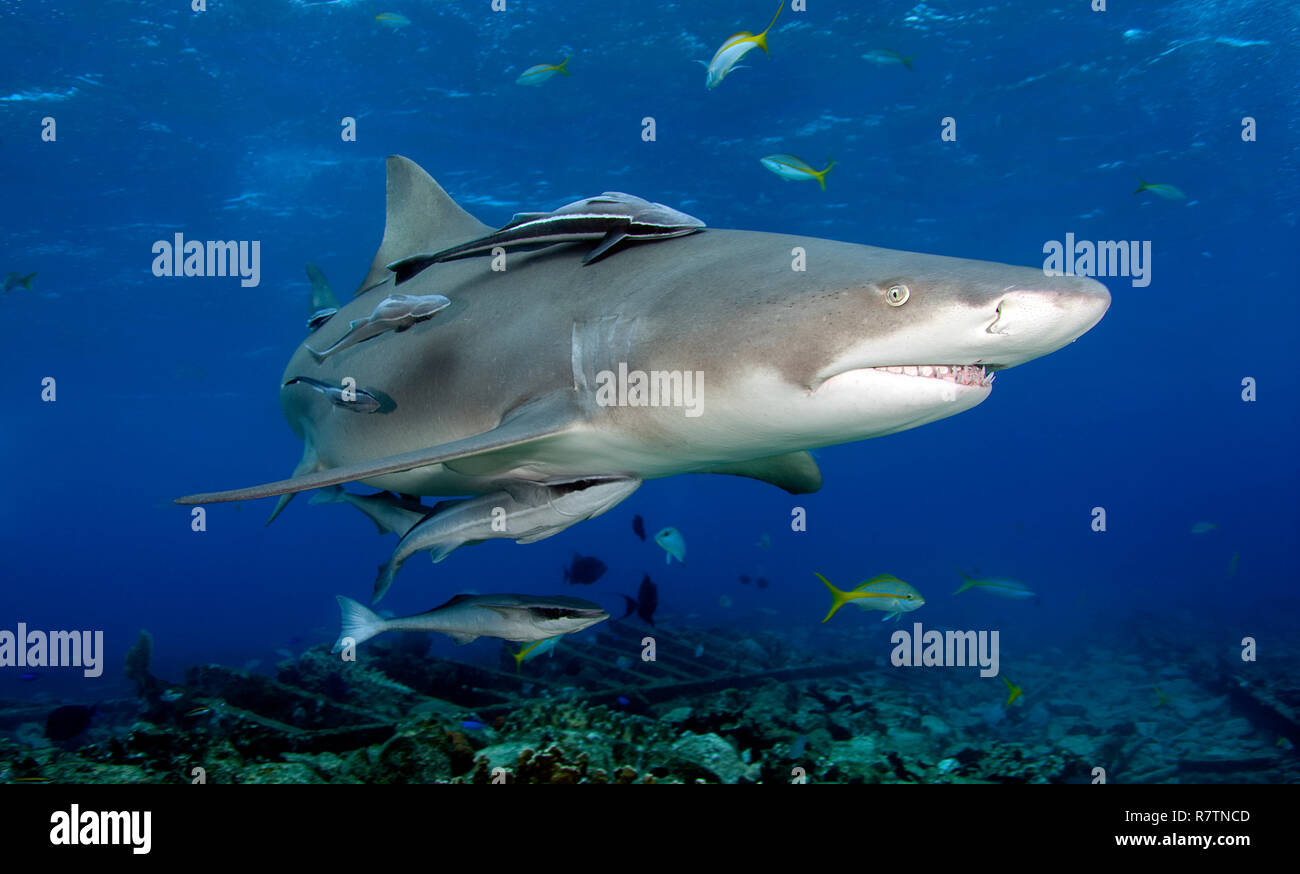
{"points": [[962, 374]]}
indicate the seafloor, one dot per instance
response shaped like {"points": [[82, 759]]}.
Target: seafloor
{"points": [[714, 707]]}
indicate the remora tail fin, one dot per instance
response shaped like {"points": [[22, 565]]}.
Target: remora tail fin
{"points": [[421, 217], [357, 622]]}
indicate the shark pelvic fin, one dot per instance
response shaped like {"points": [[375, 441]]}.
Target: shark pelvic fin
{"points": [[796, 472], [421, 217], [533, 421], [307, 464]]}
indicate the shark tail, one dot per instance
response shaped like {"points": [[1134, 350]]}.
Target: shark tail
{"points": [[357, 622], [839, 597]]}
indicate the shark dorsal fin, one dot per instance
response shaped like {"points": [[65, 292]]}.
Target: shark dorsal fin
{"points": [[421, 217]]}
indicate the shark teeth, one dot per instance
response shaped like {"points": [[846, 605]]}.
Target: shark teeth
{"points": [[962, 374]]}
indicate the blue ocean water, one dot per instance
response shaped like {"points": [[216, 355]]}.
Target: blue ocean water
{"points": [[225, 124]]}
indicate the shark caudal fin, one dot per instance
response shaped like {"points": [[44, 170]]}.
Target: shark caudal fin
{"points": [[421, 217], [357, 622]]}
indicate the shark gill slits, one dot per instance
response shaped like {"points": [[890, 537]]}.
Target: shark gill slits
{"points": [[897, 295]]}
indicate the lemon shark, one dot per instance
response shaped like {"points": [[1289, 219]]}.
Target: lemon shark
{"points": [[790, 343]]}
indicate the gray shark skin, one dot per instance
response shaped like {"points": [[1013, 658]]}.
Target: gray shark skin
{"points": [[530, 514], [520, 618], [501, 388]]}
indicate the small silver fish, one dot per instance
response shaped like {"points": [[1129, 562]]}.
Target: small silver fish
{"points": [[467, 617], [396, 313], [611, 218], [362, 401], [525, 513]]}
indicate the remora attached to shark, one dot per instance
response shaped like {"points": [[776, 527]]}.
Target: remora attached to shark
{"points": [[612, 218], [500, 389]]}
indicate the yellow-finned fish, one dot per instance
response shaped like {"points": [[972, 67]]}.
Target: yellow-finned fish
{"points": [[1003, 587], [394, 20], [534, 649], [736, 47], [885, 592], [1015, 691], [539, 73], [1163, 189], [794, 169]]}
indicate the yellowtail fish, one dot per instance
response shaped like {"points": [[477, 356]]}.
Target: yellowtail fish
{"points": [[539, 73], [1202, 528], [1232, 565], [1163, 189], [1003, 587], [885, 592], [534, 649], [394, 20], [673, 543], [1015, 691], [736, 47], [794, 169], [886, 57], [33, 780], [198, 711]]}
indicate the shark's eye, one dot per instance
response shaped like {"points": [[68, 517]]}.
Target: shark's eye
{"points": [[897, 295]]}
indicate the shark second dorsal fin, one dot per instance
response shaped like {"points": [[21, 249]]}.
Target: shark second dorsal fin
{"points": [[421, 217]]}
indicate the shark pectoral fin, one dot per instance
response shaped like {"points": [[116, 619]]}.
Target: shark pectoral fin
{"points": [[309, 463], [533, 421], [796, 472], [462, 639], [610, 240], [420, 217]]}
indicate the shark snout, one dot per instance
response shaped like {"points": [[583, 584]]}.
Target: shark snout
{"points": [[1031, 322]]}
